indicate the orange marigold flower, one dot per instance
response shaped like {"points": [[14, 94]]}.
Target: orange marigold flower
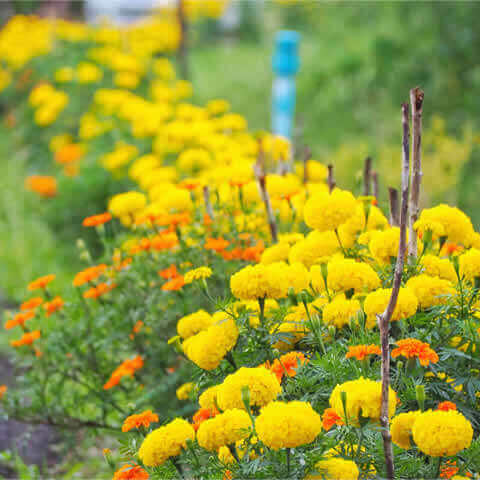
{"points": [[173, 219], [164, 241], [362, 351], [96, 220], [131, 472], [138, 420], [253, 254], [203, 414], [27, 339], [169, 273], [89, 274], [450, 248], [136, 328], [288, 364], [3, 390], [31, 304], [216, 244], [69, 153], [126, 368], [446, 406], [175, 284], [228, 475], [44, 186], [411, 348], [53, 306], [41, 282], [449, 469], [99, 290], [330, 418], [19, 319]]}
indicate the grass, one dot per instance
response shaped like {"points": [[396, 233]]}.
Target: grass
{"points": [[29, 248]]}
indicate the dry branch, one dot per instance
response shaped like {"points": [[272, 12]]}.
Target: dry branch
{"points": [[384, 319], [306, 157], [394, 210], [182, 48], [208, 204], [330, 178], [416, 102], [375, 184], [367, 176]]}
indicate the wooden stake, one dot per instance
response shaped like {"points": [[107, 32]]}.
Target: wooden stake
{"points": [[394, 210], [182, 48], [384, 319], [416, 103], [330, 178], [367, 176]]}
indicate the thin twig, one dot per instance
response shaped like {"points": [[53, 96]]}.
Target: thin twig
{"points": [[367, 176], [384, 319], [375, 184], [259, 170], [182, 48], [394, 208], [306, 157], [208, 203], [416, 102], [330, 178]]}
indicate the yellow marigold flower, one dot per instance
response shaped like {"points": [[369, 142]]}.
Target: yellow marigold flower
{"points": [[377, 301], [223, 429], [335, 468], [423, 226], [262, 384], [253, 307], [327, 211], [340, 311], [183, 392], [300, 424], [317, 172], [207, 348], [125, 204], [197, 274], [430, 291], [347, 274], [260, 281], [384, 245], [292, 329], [276, 253], [208, 398], [298, 277], [442, 434], [401, 428], [165, 442], [470, 264], [194, 159], [457, 226], [317, 247], [438, 267], [194, 323], [363, 400]]}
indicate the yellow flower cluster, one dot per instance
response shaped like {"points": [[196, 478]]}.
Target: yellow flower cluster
{"points": [[208, 347], [327, 211], [340, 311], [197, 274], [224, 429], [377, 301], [347, 274], [363, 400], [442, 433], [260, 281], [470, 264], [194, 323], [430, 291], [48, 102], [165, 442], [299, 423], [262, 384], [335, 469]]}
